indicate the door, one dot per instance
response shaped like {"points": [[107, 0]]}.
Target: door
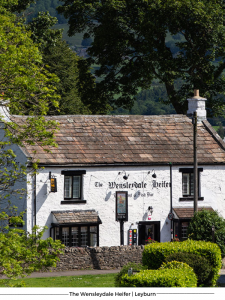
{"points": [[148, 230]]}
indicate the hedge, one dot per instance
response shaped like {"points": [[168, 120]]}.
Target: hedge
{"points": [[183, 276], [199, 264], [124, 270], [155, 254]]}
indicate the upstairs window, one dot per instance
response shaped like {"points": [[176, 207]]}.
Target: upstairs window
{"points": [[73, 186], [188, 184]]}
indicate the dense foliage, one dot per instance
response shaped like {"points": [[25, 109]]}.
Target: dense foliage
{"points": [[177, 275], [22, 253], [59, 59], [130, 45], [149, 102], [124, 270], [43, 6], [199, 264], [26, 88], [200, 228], [155, 254]]}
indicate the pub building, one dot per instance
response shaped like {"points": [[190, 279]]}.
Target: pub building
{"points": [[117, 180]]}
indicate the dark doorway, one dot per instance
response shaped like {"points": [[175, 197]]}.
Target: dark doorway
{"points": [[148, 230]]}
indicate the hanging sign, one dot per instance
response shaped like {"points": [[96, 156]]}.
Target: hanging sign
{"points": [[121, 206], [53, 185]]}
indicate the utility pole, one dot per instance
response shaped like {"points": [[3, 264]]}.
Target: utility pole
{"points": [[194, 121]]}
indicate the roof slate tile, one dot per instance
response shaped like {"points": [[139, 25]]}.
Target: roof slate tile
{"points": [[128, 140]]}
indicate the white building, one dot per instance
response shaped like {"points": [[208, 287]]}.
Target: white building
{"points": [[142, 163]]}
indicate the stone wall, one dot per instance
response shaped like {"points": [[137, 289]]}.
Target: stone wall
{"points": [[102, 258]]}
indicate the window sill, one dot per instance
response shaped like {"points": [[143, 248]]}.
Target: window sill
{"points": [[190, 199], [73, 202]]}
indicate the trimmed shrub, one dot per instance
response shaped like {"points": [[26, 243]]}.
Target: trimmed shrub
{"points": [[174, 265], [155, 254], [124, 270], [182, 276], [199, 264], [200, 228]]}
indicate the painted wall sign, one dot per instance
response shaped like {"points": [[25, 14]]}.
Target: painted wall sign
{"points": [[121, 206], [161, 184], [126, 185]]}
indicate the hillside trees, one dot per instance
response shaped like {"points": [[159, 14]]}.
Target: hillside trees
{"points": [[75, 79], [26, 88], [130, 45]]}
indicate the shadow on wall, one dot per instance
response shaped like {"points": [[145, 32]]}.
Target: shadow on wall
{"points": [[41, 196]]}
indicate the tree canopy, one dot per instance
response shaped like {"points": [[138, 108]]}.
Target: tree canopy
{"points": [[130, 46], [59, 59], [27, 89], [201, 228]]}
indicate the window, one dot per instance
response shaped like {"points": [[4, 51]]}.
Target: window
{"points": [[184, 229], [181, 229], [188, 184], [73, 186], [77, 235]]}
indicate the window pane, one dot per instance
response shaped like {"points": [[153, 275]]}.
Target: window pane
{"points": [[65, 236], [185, 184], [56, 233], [68, 187], [192, 184], [184, 227], [84, 236], [93, 236], [75, 236], [76, 186]]}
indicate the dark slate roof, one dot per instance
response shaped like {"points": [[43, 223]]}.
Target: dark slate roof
{"points": [[76, 216], [91, 140], [187, 212]]}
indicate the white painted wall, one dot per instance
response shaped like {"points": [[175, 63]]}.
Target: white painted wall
{"points": [[100, 197]]}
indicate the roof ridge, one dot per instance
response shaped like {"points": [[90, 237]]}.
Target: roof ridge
{"points": [[214, 134]]}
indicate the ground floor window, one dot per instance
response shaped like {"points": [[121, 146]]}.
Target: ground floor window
{"points": [[77, 235], [181, 229]]}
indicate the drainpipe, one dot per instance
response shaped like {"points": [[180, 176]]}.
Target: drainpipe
{"points": [[35, 201], [171, 201]]}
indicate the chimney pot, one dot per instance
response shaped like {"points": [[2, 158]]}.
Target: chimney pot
{"points": [[196, 93]]}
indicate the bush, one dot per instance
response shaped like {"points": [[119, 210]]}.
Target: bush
{"points": [[176, 275], [173, 264], [200, 228], [199, 264], [124, 270], [155, 254]]}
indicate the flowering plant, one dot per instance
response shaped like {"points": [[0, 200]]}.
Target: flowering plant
{"points": [[175, 239], [150, 241]]}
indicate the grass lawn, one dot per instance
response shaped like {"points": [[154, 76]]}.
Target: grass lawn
{"points": [[105, 280]]}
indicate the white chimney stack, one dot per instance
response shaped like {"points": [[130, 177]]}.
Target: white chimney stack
{"points": [[197, 104]]}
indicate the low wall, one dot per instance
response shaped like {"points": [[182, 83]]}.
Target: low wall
{"points": [[102, 258]]}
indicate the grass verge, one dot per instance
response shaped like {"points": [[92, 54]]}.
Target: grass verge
{"points": [[103, 280]]}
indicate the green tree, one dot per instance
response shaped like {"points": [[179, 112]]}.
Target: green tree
{"points": [[59, 59], [130, 45], [43, 6], [200, 228], [23, 253], [221, 131], [26, 88]]}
